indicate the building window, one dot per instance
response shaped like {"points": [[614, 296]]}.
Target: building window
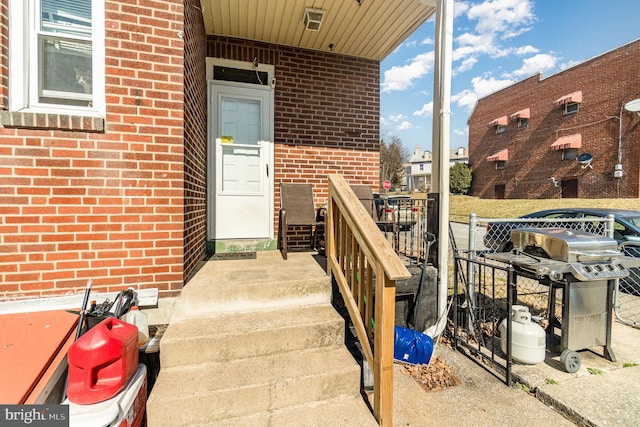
{"points": [[421, 167], [571, 108], [522, 123], [501, 129], [56, 60], [500, 164], [569, 154]]}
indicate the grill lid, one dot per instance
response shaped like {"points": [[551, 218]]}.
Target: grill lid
{"points": [[561, 244]]}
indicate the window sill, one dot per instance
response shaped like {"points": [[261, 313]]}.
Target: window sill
{"points": [[65, 122]]}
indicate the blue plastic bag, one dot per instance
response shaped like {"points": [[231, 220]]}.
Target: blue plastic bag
{"points": [[412, 346]]}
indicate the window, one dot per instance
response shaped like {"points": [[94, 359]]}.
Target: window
{"points": [[571, 108], [500, 164], [501, 129], [56, 60], [421, 166], [522, 123], [569, 154]]}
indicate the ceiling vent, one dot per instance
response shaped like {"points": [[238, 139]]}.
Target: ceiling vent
{"points": [[313, 18]]}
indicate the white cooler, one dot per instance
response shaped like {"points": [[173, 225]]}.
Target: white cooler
{"points": [[125, 409]]}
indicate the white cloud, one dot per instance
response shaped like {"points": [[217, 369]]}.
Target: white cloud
{"points": [[383, 122], [460, 7], [474, 44], [495, 20], [466, 65], [525, 50], [402, 77], [504, 16], [425, 111], [397, 117], [428, 40], [404, 125], [461, 132], [481, 88], [535, 64], [569, 64]]}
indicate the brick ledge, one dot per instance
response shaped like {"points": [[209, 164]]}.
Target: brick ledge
{"points": [[67, 122]]}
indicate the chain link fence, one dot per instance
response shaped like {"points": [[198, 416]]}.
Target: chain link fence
{"points": [[627, 298]]}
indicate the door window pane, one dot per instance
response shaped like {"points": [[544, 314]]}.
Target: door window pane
{"points": [[241, 119]]}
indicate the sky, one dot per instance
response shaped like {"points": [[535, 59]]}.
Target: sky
{"points": [[495, 43]]}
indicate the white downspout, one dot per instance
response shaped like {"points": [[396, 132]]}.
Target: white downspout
{"points": [[441, 147]]}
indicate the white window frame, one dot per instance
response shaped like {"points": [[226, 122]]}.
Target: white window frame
{"points": [[501, 164], [523, 123], [500, 129], [23, 62]]}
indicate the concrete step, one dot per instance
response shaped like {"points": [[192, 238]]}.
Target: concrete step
{"points": [[344, 411], [253, 387], [212, 296], [260, 333]]}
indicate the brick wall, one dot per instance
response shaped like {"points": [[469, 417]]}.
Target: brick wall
{"points": [[105, 205], [607, 82], [195, 138], [327, 113]]}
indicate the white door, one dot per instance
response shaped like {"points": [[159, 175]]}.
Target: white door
{"points": [[241, 140]]}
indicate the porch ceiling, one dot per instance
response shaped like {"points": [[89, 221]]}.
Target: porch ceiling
{"points": [[372, 30]]}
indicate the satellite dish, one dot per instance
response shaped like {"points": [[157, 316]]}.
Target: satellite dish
{"points": [[585, 160], [633, 106]]}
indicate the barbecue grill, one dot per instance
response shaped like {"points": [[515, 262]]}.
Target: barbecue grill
{"points": [[584, 267]]}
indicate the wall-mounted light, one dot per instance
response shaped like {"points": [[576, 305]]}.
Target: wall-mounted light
{"points": [[555, 181], [312, 18]]}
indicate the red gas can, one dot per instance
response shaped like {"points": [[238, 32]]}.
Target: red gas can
{"points": [[102, 361]]}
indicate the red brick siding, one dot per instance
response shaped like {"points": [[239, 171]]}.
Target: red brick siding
{"points": [[195, 138], [327, 113], [106, 206], [606, 82]]}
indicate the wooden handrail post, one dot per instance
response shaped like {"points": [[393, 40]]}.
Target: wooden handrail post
{"points": [[383, 346]]}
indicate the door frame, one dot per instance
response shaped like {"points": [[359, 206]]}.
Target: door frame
{"points": [[212, 118]]}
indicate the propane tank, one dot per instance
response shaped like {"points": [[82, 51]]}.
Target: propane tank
{"points": [[528, 339]]}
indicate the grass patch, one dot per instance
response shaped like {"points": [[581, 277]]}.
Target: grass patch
{"points": [[461, 206], [522, 387], [629, 365], [595, 371], [551, 381]]}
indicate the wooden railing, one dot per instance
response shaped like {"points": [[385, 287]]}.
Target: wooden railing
{"points": [[366, 269]]}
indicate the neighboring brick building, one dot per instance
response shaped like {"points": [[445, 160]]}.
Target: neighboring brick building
{"points": [[109, 123], [567, 135]]}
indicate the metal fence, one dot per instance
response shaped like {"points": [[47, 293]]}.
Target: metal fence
{"points": [[497, 238], [627, 297], [403, 224], [480, 303]]}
